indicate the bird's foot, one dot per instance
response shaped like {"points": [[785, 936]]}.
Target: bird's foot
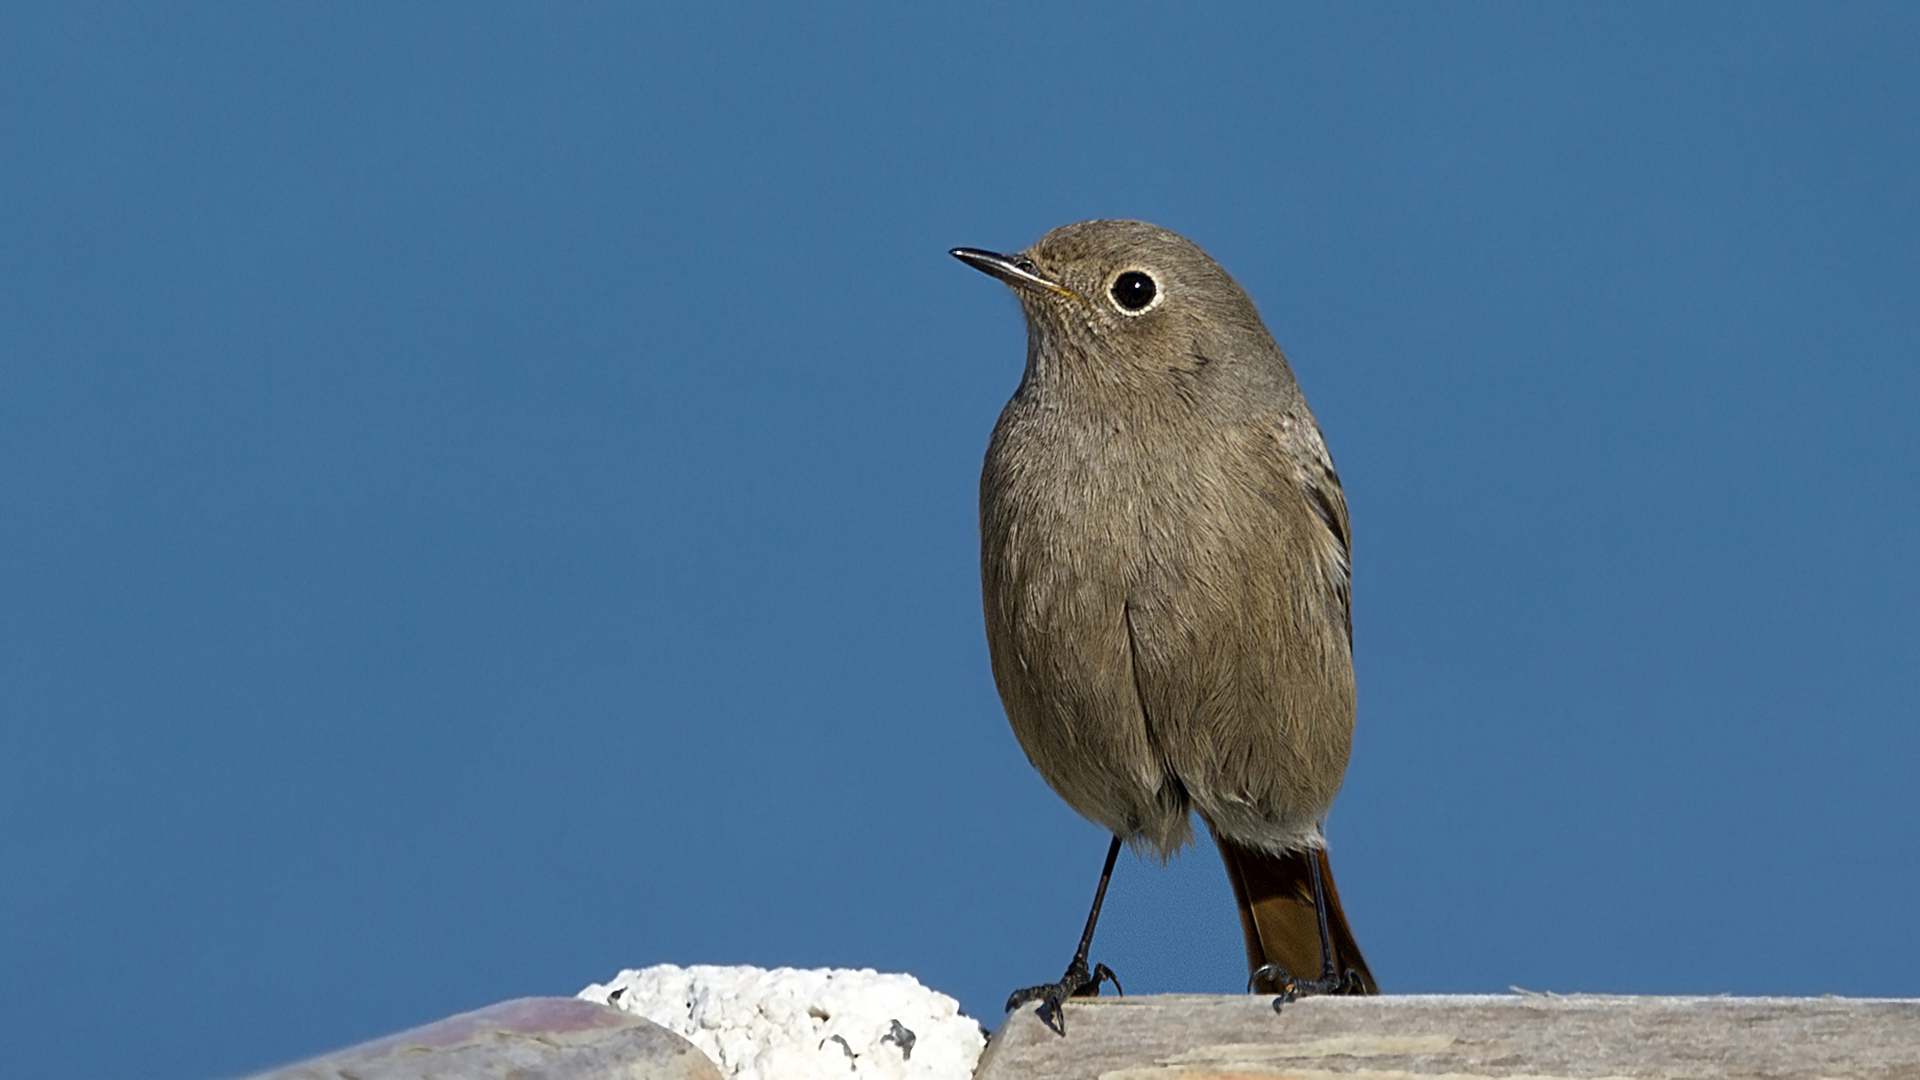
{"points": [[1274, 979], [1077, 982]]}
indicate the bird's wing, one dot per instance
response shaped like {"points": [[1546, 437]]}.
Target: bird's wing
{"points": [[1313, 472]]}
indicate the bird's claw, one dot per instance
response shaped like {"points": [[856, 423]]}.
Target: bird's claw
{"points": [[1289, 987], [1079, 981]]}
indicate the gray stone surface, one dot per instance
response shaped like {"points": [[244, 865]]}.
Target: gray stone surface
{"points": [[523, 1039], [1208, 1037]]}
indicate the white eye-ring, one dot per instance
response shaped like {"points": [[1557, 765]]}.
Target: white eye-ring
{"points": [[1134, 292]]}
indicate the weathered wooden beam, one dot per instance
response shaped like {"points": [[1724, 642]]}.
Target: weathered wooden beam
{"points": [[1421, 1037]]}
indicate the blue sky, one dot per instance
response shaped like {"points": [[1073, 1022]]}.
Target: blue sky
{"points": [[490, 494]]}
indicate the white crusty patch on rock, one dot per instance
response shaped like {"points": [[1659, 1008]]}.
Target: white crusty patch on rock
{"points": [[788, 1024]]}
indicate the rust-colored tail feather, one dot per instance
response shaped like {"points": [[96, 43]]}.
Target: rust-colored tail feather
{"points": [[1275, 894]]}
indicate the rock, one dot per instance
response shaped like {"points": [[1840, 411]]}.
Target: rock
{"points": [[523, 1039], [789, 1024]]}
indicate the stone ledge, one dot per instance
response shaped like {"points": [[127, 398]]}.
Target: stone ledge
{"points": [[1427, 1037]]}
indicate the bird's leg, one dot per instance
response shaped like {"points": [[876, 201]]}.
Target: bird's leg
{"points": [[1079, 981], [1291, 987]]}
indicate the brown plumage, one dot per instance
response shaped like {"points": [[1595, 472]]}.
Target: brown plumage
{"points": [[1164, 556], [1277, 916]]}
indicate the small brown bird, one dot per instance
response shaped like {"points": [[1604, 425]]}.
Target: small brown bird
{"points": [[1164, 561]]}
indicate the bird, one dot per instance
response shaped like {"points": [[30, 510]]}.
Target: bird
{"points": [[1165, 567]]}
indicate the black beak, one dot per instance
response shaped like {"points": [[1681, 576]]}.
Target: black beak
{"points": [[1016, 270]]}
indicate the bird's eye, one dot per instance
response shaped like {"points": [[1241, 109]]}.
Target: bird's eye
{"points": [[1133, 291]]}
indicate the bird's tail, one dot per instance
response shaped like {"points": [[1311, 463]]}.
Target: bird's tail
{"points": [[1275, 894]]}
